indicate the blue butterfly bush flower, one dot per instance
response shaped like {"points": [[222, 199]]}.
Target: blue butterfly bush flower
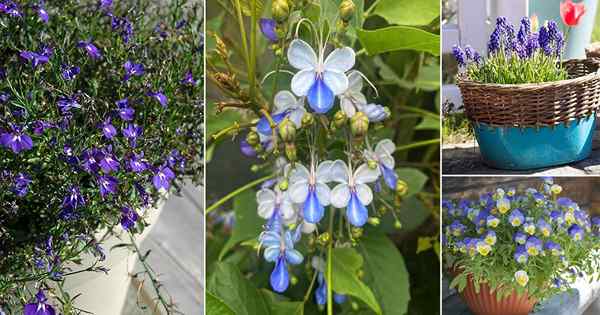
{"points": [[309, 188], [279, 248], [286, 106]]}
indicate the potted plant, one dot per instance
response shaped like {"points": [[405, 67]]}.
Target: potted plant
{"points": [[100, 119], [527, 107], [511, 249]]}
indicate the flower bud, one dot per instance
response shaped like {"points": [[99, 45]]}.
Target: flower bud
{"points": [[359, 124], [340, 118], [290, 151], [287, 130], [283, 185], [401, 187], [360, 274], [280, 10], [357, 232], [382, 210], [254, 168], [347, 9], [354, 306], [374, 221], [398, 224], [252, 138], [293, 280], [323, 239], [307, 120], [372, 164]]}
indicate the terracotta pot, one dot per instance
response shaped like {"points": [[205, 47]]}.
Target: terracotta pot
{"points": [[485, 302]]}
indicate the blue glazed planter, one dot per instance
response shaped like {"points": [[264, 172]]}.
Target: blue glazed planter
{"points": [[531, 147]]}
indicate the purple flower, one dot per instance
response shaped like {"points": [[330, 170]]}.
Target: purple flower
{"points": [[4, 97], [17, 140], [544, 40], [459, 55], [175, 159], [91, 50], [105, 4], [41, 11], [10, 8], [108, 185], [267, 27], [160, 97], [73, 199], [69, 72], [39, 126], [35, 58], [123, 26], [128, 218], [132, 132], [90, 158], [39, 307], [180, 24], [125, 112], [524, 31], [108, 162], [21, 185], [553, 248], [576, 232], [188, 79], [66, 103], [531, 45], [132, 69], [162, 178], [533, 246], [247, 149], [142, 193], [108, 130], [137, 164], [521, 255]]}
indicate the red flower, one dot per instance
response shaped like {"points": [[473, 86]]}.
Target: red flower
{"points": [[571, 12]]}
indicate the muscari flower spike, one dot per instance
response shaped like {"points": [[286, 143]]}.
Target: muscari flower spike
{"points": [[286, 106], [40, 306], [309, 188], [320, 79], [352, 191], [385, 161], [280, 250]]}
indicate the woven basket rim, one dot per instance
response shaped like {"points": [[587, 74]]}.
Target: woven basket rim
{"points": [[462, 80]]}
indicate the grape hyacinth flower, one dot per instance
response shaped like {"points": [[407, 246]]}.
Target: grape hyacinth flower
{"points": [[39, 307], [309, 188], [92, 51], [352, 191], [16, 140], [459, 55], [131, 133], [267, 27], [275, 206], [21, 185], [162, 178], [132, 69], [160, 97], [286, 106], [108, 185], [128, 218], [280, 250], [69, 72], [320, 79], [382, 155]]}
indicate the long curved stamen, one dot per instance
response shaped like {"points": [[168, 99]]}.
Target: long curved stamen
{"points": [[273, 72], [312, 27], [369, 82]]}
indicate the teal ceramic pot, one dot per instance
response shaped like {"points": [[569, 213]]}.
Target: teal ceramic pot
{"points": [[579, 37], [528, 148]]}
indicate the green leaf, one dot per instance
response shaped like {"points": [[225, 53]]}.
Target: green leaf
{"points": [[216, 122], [408, 12], [428, 123], [385, 273], [216, 306], [414, 178], [394, 38], [346, 263], [229, 285], [280, 305], [247, 222], [246, 6], [413, 213]]}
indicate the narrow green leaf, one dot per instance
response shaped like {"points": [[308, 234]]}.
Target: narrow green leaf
{"points": [[394, 38], [215, 306], [346, 263], [408, 12], [247, 222]]}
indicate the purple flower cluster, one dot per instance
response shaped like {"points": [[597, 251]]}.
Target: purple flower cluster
{"points": [[123, 26], [466, 56]]}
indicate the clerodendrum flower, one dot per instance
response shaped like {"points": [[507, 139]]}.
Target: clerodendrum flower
{"points": [[383, 156], [280, 250], [309, 188], [286, 105], [319, 78], [352, 191], [275, 206], [353, 100]]}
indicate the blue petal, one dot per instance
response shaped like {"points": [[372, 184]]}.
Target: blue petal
{"points": [[356, 212], [320, 96], [280, 279], [313, 210], [390, 176], [267, 27], [263, 125], [293, 256], [321, 292], [339, 298]]}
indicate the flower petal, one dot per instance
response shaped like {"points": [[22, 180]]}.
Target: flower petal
{"points": [[323, 171], [302, 81], [338, 172], [298, 173], [280, 278], [356, 212], [323, 193], [347, 106], [265, 195], [265, 209], [364, 174], [336, 81], [385, 146], [299, 191], [340, 195], [320, 96], [284, 100], [364, 193], [288, 213], [293, 256], [341, 59], [271, 253], [387, 161], [308, 228], [301, 56], [296, 116], [355, 82]]}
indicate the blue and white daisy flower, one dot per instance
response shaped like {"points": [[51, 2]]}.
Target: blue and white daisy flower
{"points": [[309, 188], [320, 78], [352, 191]]}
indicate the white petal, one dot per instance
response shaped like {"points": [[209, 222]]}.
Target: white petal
{"points": [[347, 106], [284, 100], [341, 59], [355, 81], [364, 193], [272, 253], [336, 81], [297, 173], [301, 56], [359, 99], [265, 195], [308, 228], [287, 210], [385, 146], [338, 172], [299, 192], [323, 171], [323, 193], [388, 161], [265, 209], [364, 174], [340, 195], [302, 81], [296, 116]]}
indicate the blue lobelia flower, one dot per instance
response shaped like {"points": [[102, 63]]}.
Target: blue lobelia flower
{"points": [[21, 184], [276, 207], [132, 69], [123, 26], [39, 307], [108, 185], [92, 51], [267, 27], [280, 250], [10, 7], [385, 161], [69, 72], [137, 163], [286, 106], [128, 218], [188, 79], [352, 191], [36, 58], [131, 133], [16, 139], [162, 178], [108, 161], [66, 103], [309, 188], [73, 199], [125, 111], [160, 97], [40, 9], [319, 78], [108, 130], [105, 4]]}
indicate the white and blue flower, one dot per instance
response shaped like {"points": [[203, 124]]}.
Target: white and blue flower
{"points": [[320, 78], [385, 161], [309, 188], [353, 100], [286, 106], [280, 250], [276, 207]]}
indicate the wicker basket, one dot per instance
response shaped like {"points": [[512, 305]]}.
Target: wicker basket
{"points": [[539, 104]]}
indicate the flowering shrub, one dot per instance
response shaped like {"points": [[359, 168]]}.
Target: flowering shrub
{"points": [[321, 135], [535, 241], [100, 115], [515, 57]]}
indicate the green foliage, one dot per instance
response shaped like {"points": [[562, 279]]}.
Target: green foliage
{"points": [[403, 12], [248, 223], [394, 38], [414, 178]]}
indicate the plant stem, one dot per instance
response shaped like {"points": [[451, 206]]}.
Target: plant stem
{"points": [[417, 144], [237, 192], [330, 265], [252, 65], [371, 8], [235, 127], [238, 9]]}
